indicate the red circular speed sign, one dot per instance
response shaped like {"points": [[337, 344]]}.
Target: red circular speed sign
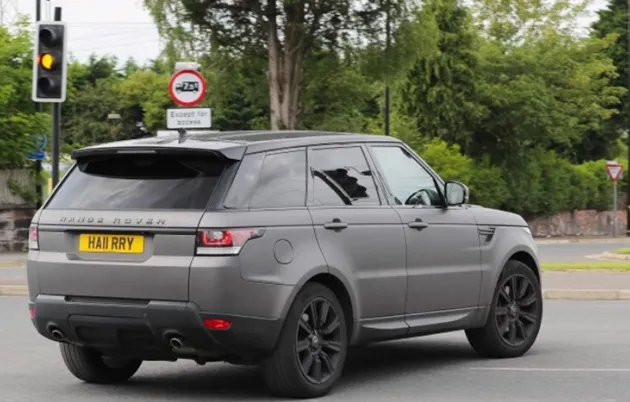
{"points": [[187, 88]]}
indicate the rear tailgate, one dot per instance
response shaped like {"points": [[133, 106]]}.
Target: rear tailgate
{"points": [[124, 225]]}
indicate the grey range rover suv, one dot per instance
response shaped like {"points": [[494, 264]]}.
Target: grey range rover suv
{"points": [[278, 249]]}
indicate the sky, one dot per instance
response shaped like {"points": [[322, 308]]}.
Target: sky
{"points": [[119, 27], [125, 29]]}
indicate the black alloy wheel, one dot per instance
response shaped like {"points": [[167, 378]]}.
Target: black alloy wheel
{"points": [[516, 310], [311, 351], [515, 314], [318, 343]]}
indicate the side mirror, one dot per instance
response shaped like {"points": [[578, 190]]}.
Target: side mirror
{"points": [[456, 193]]}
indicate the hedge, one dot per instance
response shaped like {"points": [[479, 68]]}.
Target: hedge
{"points": [[541, 184]]}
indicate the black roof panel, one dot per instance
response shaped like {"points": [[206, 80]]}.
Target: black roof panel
{"points": [[259, 136], [254, 141]]}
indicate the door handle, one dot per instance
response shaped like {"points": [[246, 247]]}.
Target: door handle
{"points": [[336, 224], [418, 224]]}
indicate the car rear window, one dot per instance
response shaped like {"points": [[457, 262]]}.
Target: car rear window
{"points": [[140, 182]]}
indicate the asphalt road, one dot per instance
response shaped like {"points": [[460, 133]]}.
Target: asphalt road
{"points": [[575, 252], [12, 276], [582, 354]]}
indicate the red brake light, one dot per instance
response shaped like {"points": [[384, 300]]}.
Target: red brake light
{"points": [[224, 242], [216, 324], [31, 311], [33, 237]]}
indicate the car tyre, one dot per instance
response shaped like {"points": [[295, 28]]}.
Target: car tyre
{"points": [[312, 346], [90, 366], [515, 315]]}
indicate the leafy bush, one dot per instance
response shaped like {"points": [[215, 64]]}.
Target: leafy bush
{"points": [[541, 184], [486, 184]]}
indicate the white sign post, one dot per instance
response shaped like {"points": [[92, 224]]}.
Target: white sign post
{"points": [[187, 88], [614, 170]]}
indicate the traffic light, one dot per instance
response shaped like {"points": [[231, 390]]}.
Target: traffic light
{"points": [[50, 62]]}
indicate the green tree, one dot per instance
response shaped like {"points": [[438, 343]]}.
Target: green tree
{"points": [[343, 100], [545, 93], [289, 32], [237, 90], [86, 114], [611, 24], [18, 119], [144, 91], [440, 88]]}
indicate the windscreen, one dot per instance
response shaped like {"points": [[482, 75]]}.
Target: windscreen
{"points": [[140, 182]]}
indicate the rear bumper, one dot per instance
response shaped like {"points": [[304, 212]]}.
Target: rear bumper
{"points": [[143, 328]]}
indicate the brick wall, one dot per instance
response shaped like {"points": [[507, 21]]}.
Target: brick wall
{"points": [[579, 223], [14, 223]]}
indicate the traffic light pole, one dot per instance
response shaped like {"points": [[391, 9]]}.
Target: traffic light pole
{"points": [[387, 90], [56, 129], [38, 109]]}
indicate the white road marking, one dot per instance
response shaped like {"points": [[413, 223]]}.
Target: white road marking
{"points": [[542, 369]]}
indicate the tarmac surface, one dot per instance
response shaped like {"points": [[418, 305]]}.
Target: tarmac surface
{"points": [[582, 354], [576, 252]]}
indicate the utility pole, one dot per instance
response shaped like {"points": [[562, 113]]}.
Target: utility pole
{"points": [[38, 108], [56, 120], [387, 61]]}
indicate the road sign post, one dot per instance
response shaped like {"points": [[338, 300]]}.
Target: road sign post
{"points": [[614, 170], [187, 88]]}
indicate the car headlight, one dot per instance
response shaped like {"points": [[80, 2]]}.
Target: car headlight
{"points": [[528, 231]]}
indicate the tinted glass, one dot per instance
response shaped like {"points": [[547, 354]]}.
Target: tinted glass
{"points": [[140, 182], [244, 182], [409, 182], [281, 182], [342, 177]]}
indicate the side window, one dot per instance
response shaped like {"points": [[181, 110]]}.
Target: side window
{"points": [[342, 176], [408, 181], [281, 182]]}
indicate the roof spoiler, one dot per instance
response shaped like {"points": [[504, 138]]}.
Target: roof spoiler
{"points": [[228, 153]]}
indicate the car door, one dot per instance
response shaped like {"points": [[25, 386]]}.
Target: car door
{"points": [[360, 236], [443, 252]]}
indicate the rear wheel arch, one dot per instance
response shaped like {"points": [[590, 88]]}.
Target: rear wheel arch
{"points": [[341, 290]]}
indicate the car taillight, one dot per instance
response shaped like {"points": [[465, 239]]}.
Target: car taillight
{"points": [[33, 238], [224, 242]]}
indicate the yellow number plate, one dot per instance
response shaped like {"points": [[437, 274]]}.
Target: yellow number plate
{"points": [[117, 244]]}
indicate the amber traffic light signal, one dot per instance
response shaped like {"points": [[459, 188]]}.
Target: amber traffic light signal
{"points": [[50, 63]]}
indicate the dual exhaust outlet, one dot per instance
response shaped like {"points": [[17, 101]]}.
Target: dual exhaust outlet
{"points": [[176, 342]]}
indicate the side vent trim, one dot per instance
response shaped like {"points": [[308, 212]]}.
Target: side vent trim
{"points": [[487, 232]]}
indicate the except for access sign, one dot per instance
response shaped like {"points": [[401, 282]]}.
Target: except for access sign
{"points": [[189, 118], [614, 170], [187, 88]]}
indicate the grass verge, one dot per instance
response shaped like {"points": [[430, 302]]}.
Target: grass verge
{"points": [[623, 251], [617, 266]]}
